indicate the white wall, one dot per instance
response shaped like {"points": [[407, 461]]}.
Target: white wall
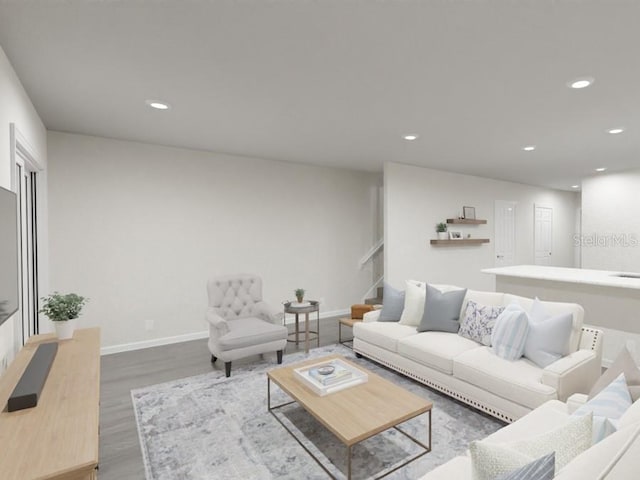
{"points": [[15, 107], [140, 228], [417, 198], [609, 210]]}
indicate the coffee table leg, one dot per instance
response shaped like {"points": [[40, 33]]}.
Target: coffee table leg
{"points": [[268, 394], [297, 331], [349, 462]]}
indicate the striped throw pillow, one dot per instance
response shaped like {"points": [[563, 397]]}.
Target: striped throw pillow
{"points": [[607, 408], [543, 468], [509, 333]]}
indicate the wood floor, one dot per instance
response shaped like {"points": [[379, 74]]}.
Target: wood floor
{"points": [[120, 457]]}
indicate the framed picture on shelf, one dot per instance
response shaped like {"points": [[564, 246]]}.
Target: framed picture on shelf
{"points": [[455, 235], [469, 213]]}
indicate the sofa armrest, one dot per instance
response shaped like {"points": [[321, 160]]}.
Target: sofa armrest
{"points": [[218, 324], [575, 401], [371, 316], [268, 313], [575, 373]]}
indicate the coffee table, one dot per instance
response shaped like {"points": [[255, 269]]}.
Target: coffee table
{"points": [[353, 414]]}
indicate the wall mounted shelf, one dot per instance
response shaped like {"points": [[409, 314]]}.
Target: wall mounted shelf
{"points": [[466, 221], [462, 241]]}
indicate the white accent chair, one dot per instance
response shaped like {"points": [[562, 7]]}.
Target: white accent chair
{"points": [[240, 323]]}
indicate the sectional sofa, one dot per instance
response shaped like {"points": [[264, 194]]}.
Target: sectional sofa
{"points": [[471, 372], [617, 457]]}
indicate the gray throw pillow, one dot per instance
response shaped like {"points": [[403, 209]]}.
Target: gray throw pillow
{"points": [[623, 364], [543, 468], [548, 340], [442, 310], [392, 304]]}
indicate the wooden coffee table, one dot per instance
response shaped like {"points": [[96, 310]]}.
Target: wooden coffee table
{"points": [[353, 414]]}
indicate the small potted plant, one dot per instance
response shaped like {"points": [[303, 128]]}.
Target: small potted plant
{"points": [[299, 294], [63, 310], [441, 228]]}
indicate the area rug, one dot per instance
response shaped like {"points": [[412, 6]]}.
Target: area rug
{"points": [[210, 427]]}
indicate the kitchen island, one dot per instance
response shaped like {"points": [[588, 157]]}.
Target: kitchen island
{"points": [[611, 300]]}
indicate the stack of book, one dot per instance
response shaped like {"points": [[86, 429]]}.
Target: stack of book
{"points": [[340, 374], [344, 375]]}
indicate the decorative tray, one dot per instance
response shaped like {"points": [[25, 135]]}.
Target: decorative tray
{"points": [[338, 376]]}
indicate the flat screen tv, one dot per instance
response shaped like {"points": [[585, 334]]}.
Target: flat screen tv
{"points": [[8, 254]]}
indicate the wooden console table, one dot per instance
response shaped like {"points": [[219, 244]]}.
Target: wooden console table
{"points": [[57, 439]]}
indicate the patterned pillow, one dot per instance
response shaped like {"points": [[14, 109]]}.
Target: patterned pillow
{"points": [[490, 460], [543, 468], [478, 321]]}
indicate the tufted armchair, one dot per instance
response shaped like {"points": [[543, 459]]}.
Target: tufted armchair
{"points": [[240, 323]]}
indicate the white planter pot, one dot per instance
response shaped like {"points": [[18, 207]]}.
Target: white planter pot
{"points": [[443, 235], [64, 330]]}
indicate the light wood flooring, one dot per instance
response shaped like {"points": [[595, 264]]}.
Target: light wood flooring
{"points": [[120, 456]]}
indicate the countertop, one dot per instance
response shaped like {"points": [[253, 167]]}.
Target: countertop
{"points": [[570, 275]]}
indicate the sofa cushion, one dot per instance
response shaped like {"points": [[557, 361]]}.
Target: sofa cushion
{"points": [[489, 460], [478, 321], [454, 469], [544, 468], [518, 380], [414, 296], [631, 416], [549, 335], [383, 334], [441, 310], [392, 304], [542, 419], [435, 349], [509, 334], [246, 332], [555, 308]]}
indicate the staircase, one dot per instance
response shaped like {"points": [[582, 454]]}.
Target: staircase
{"points": [[375, 300]]}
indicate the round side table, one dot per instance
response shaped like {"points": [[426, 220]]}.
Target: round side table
{"points": [[314, 306]]}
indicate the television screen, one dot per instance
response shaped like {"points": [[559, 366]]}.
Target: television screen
{"points": [[8, 254]]}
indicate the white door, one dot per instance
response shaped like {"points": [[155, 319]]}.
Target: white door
{"points": [[505, 233], [543, 234]]}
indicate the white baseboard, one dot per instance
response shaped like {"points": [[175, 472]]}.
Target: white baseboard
{"points": [[156, 342]]}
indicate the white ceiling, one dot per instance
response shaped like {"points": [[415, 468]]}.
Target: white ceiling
{"points": [[337, 82]]}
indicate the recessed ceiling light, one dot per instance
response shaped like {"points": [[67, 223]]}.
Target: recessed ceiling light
{"points": [[410, 137], [581, 82], [575, 186], [615, 131], [158, 105], [529, 148], [601, 169]]}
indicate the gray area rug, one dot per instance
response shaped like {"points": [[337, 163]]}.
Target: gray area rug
{"points": [[211, 427]]}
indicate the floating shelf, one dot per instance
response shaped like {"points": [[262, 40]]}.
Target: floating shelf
{"points": [[466, 221], [462, 241]]}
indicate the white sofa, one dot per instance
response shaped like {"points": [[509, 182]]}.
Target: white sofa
{"points": [[617, 457], [471, 372]]}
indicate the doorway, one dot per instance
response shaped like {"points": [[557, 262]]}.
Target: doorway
{"points": [[543, 234], [505, 233]]}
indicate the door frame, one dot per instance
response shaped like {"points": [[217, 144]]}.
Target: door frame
{"points": [[24, 154]]}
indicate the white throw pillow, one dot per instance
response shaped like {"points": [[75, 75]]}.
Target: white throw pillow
{"points": [[490, 460], [414, 296]]}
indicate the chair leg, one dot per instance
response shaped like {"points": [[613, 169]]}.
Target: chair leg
{"points": [[213, 358], [279, 353], [227, 369]]}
